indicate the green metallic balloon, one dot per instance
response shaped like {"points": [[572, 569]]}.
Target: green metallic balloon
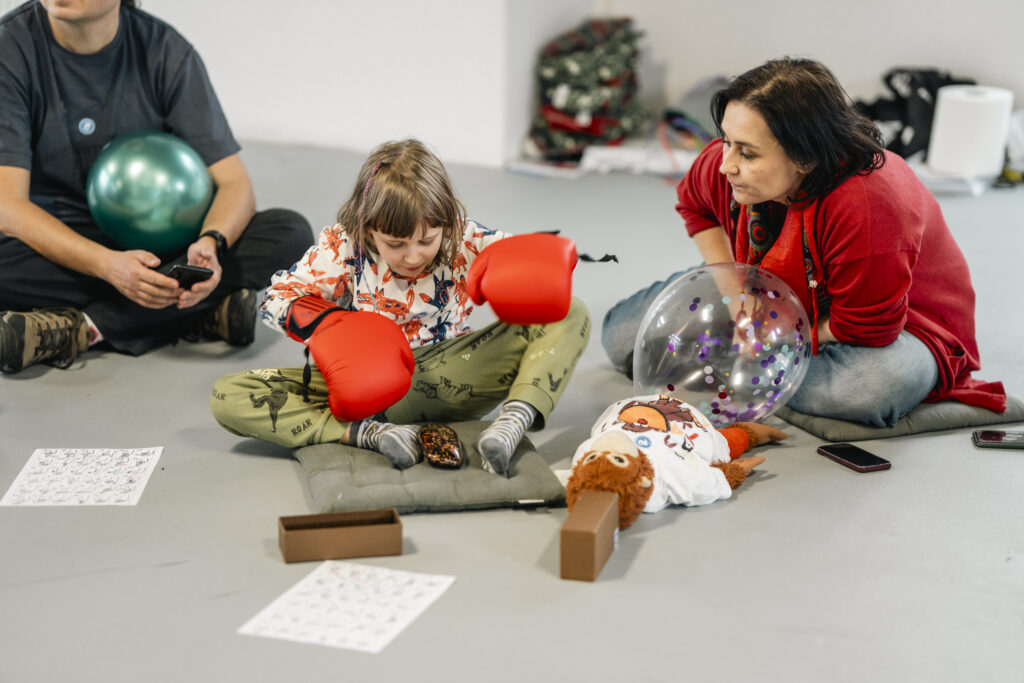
{"points": [[149, 190]]}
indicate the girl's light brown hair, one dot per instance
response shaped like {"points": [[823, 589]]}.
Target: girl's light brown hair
{"points": [[400, 186]]}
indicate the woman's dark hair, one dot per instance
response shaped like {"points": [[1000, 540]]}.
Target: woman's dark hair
{"points": [[811, 116]]}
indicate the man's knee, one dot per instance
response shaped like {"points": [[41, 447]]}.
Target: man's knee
{"points": [[292, 229], [287, 233]]}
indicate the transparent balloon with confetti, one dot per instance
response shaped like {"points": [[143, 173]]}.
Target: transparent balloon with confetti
{"points": [[731, 339]]}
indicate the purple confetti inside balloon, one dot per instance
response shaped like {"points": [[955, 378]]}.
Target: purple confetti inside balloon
{"points": [[755, 380]]}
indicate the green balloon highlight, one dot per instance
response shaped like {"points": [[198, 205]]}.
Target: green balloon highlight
{"points": [[149, 190]]}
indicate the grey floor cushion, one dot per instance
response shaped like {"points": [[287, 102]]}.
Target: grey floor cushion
{"points": [[927, 417], [344, 478]]}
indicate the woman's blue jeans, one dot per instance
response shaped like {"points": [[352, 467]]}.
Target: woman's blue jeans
{"points": [[873, 385]]}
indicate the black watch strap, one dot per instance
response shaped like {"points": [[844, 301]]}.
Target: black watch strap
{"points": [[222, 244]]}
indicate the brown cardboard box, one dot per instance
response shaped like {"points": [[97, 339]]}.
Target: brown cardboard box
{"points": [[344, 534], [589, 535]]}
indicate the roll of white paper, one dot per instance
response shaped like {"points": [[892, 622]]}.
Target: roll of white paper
{"points": [[970, 130]]}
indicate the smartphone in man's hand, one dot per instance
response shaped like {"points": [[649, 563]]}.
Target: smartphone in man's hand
{"points": [[187, 275]]}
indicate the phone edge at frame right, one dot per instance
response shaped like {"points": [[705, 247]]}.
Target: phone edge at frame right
{"points": [[996, 438], [841, 452]]}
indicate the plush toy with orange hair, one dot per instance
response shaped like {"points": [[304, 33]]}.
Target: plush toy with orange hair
{"points": [[656, 451]]}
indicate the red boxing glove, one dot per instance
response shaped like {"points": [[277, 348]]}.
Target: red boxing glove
{"points": [[364, 357], [526, 278]]}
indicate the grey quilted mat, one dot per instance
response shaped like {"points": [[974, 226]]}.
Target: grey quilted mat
{"points": [[344, 478], [927, 417]]}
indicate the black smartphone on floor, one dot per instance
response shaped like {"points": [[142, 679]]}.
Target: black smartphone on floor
{"points": [[854, 457], [997, 438], [188, 275]]}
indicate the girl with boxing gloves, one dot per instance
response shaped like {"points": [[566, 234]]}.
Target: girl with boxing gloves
{"points": [[381, 301]]}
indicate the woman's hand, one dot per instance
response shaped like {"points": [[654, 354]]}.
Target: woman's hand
{"points": [[825, 331]]}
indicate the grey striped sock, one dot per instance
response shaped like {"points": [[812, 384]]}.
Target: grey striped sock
{"points": [[398, 443], [498, 442]]}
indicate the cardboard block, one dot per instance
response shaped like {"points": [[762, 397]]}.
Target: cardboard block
{"points": [[340, 535], [589, 535]]}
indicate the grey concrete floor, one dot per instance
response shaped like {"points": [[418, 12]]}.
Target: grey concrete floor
{"points": [[810, 573]]}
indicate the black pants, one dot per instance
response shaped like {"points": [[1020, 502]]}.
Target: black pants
{"points": [[273, 240]]}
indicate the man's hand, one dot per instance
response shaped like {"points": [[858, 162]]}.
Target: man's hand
{"points": [[202, 252], [131, 273]]}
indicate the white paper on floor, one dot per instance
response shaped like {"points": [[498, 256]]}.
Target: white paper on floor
{"points": [[83, 476], [346, 605]]}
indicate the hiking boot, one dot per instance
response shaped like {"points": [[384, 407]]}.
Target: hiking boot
{"points": [[54, 336], [234, 320]]}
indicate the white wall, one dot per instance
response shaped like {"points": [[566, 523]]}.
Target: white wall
{"points": [[460, 73], [351, 74], [530, 25], [858, 39]]}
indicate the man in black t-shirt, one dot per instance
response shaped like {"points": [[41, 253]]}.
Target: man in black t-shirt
{"points": [[74, 75]]}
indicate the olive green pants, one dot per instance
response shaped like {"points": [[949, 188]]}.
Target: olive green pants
{"points": [[455, 380]]}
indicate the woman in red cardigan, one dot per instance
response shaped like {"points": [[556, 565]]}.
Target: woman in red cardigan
{"points": [[801, 185]]}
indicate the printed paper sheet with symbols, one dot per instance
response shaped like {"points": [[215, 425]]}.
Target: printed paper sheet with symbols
{"points": [[83, 476], [347, 605]]}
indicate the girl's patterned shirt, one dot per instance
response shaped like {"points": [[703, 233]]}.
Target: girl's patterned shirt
{"points": [[431, 308]]}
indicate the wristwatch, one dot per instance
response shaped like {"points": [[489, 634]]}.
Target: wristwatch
{"points": [[222, 244]]}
